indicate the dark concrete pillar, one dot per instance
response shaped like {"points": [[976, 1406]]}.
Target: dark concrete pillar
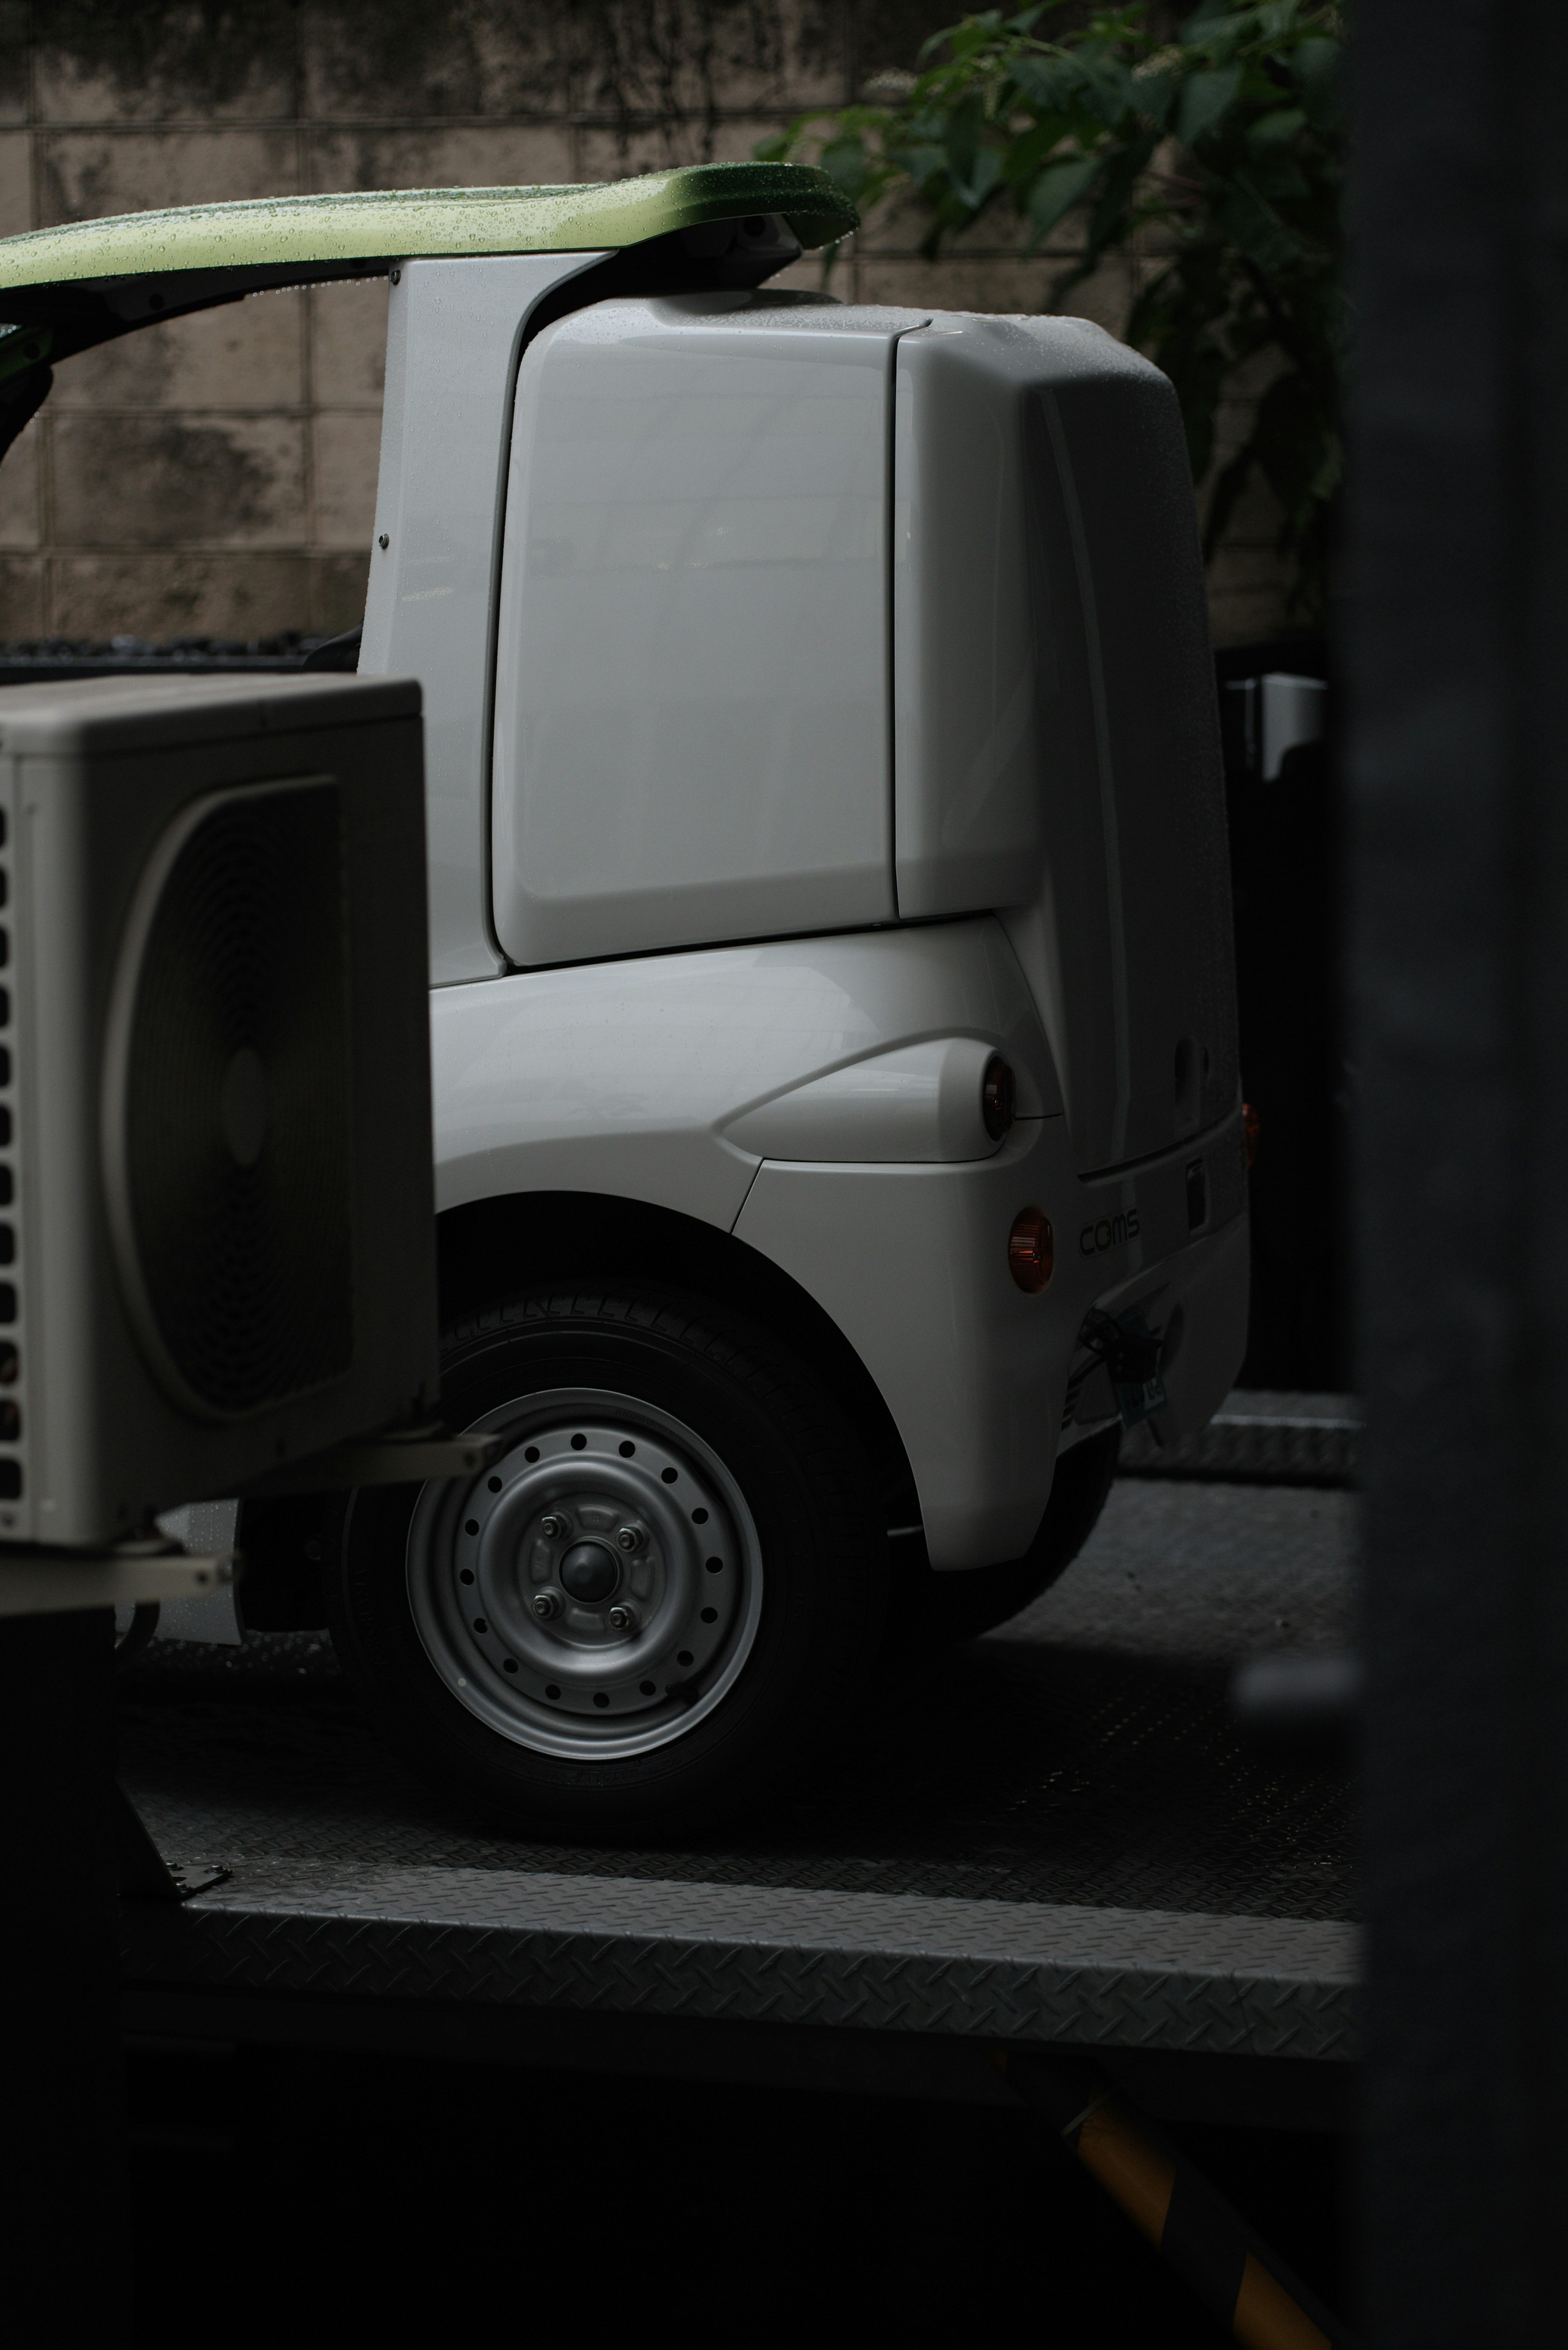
{"points": [[1459, 659]]}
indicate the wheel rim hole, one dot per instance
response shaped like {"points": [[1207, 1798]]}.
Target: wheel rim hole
{"points": [[715, 1566], [699, 1517], [685, 1657], [509, 1664], [710, 1615], [579, 1443], [480, 1625], [470, 1526], [531, 1452], [552, 1689], [649, 1689], [599, 1697], [627, 1450], [670, 1475], [494, 1484], [467, 1574]]}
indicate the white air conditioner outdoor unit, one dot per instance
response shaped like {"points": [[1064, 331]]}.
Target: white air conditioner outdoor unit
{"points": [[217, 1239]]}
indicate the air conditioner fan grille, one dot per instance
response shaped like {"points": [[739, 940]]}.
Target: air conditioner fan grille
{"points": [[237, 1159]]}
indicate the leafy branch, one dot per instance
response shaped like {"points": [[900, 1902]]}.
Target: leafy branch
{"points": [[1216, 160]]}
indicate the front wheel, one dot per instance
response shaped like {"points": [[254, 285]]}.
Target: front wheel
{"points": [[658, 1604]]}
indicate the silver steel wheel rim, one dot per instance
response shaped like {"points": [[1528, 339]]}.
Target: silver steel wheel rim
{"points": [[513, 1602]]}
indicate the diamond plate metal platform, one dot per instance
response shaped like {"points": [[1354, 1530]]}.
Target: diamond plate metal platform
{"points": [[1259, 1437], [1056, 1835], [993, 1971]]}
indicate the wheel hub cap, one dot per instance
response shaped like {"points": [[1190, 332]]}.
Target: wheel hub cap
{"points": [[590, 1571], [597, 1590]]}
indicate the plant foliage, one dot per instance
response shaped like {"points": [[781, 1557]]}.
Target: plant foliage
{"points": [[1217, 157]]}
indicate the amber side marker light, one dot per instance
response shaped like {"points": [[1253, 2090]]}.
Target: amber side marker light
{"points": [[1030, 1249], [1250, 1130]]}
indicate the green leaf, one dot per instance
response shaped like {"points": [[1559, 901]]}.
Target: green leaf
{"points": [[1152, 94], [1275, 19], [1318, 67], [845, 163], [1050, 84], [1205, 97], [1273, 129], [922, 163], [1057, 191], [1027, 154], [1274, 172], [1109, 221], [1060, 112], [1107, 88], [1203, 19], [965, 126], [982, 181], [1257, 231]]}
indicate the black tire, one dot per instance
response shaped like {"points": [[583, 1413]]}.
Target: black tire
{"points": [[964, 1605], [804, 1586]]}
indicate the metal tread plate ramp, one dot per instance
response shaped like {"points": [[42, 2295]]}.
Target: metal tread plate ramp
{"points": [[1056, 1836], [989, 1971]]}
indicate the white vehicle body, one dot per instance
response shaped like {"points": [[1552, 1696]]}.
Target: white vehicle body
{"points": [[818, 704]]}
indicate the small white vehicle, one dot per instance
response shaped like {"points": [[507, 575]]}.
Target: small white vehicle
{"points": [[837, 1114]]}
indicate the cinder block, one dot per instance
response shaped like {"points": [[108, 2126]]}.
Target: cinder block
{"points": [[348, 343], [22, 606], [21, 522], [16, 25], [346, 446], [506, 156], [178, 594], [692, 61], [805, 276], [1248, 589], [471, 57], [894, 226], [1001, 283], [96, 174], [248, 355], [16, 182], [338, 583], [891, 33], [1256, 516], [626, 151], [814, 39], [149, 63], [178, 479]]}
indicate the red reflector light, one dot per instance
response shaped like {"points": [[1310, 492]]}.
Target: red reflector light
{"points": [[1030, 1249]]}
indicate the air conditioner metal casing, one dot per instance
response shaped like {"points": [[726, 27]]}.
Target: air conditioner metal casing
{"points": [[102, 785]]}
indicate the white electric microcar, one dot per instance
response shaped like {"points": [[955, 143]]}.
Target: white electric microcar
{"points": [[838, 1122]]}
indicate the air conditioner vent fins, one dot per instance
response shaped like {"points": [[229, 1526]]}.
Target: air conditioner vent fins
{"points": [[228, 1147]]}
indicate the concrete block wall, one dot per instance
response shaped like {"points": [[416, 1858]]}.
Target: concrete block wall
{"points": [[216, 475]]}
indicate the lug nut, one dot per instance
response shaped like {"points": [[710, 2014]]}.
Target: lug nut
{"points": [[545, 1604], [629, 1538], [552, 1526], [623, 1619]]}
